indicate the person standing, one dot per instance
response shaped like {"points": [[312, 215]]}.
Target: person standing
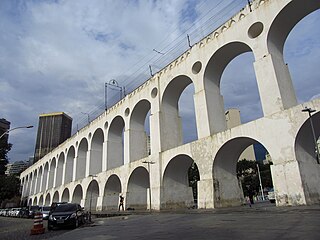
{"points": [[121, 203]]}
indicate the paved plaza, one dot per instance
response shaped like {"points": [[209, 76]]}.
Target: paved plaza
{"points": [[262, 221]]}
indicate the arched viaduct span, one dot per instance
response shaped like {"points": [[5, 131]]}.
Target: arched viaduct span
{"points": [[107, 157]]}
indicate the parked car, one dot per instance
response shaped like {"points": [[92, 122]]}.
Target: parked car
{"points": [[32, 210], [271, 196], [68, 214], [45, 210]]}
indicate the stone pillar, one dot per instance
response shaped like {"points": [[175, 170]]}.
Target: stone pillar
{"points": [[205, 194], [209, 111], [274, 83], [88, 162], [74, 169], [104, 156], [287, 183], [126, 146], [155, 140], [170, 130], [99, 203]]}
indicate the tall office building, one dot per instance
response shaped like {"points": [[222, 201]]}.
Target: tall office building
{"points": [[233, 120], [53, 129]]}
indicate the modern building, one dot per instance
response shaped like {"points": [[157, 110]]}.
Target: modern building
{"points": [[233, 120], [16, 167], [53, 129]]}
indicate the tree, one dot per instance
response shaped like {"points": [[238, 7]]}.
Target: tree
{"points": [[247, 172], [9, 187], [5, 147]]}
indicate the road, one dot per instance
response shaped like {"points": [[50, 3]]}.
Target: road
{"points": [[263, 222]]}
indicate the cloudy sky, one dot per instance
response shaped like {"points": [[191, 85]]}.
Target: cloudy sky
{"points": [[57, 55]]}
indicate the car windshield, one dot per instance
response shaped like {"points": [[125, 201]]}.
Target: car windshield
{"points": [[46, 209], [65, 208], [34, 208]]}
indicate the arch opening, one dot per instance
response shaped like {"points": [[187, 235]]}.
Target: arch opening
{"points": [[236, 176], [65, 197], [301, 54], [39, 180], [178, 124], [69, 165], [112, 192], [60, 170], [180, 183], [138, 122], [92, 195], [47, 200], [305, 151], [52, 170], [45, 177], [96, 152], [41, 203], [35, 201], [138, 189], [115, 145], [82, 159], [77, 194], [223, 90], [55, 197]]}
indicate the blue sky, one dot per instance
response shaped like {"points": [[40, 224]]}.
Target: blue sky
{"points": [[57, 55]]}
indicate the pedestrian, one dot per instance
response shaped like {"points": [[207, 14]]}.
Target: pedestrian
{"points": [[121, 203], [251, 193]]}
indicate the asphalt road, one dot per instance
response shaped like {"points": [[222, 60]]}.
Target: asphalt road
{"points": [[263, 222]]}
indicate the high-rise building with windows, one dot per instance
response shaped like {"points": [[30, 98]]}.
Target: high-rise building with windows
{"points": [[53, 129]]}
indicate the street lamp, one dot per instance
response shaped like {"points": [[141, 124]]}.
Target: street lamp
{"points": [[260, 182], [92, 176], [9, 130], [113, 85], [149, 162], [309, 110]]}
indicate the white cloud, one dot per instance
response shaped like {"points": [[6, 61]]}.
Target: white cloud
{"points": [[57, 55]]}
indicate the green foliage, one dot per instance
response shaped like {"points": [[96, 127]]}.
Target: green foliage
{"points": [[247, 172], [5, 147], [9, 187]]}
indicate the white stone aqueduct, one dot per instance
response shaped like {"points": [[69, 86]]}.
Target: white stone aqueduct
{"points": [[105, 158]]}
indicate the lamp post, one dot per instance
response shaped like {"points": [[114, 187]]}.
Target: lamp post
{"points": [[90, 202], [260, 182], [9, 130], [309, 110], [113, 85], [149, 162]]}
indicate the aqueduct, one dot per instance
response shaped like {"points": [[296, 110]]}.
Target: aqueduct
{"points": [[110, 156]]}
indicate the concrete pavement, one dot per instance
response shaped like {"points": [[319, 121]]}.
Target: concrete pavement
{"points": [[262, 221]]}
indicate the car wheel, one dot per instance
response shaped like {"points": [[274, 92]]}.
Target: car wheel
{"points": [[50, 227], [76, 224]]}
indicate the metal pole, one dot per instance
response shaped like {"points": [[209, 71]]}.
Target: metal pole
{"points": [[149, 182], [309, 110], [260, 182], [6, 132], [90, 205]]}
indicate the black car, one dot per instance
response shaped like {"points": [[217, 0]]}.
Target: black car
{"points": [[68, 214]]}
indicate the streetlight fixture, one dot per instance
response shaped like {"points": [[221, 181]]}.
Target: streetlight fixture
{"points": [[113, 85], [309, 110], [9, 130], [260, 182], [149, 162], [92, 176]]}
